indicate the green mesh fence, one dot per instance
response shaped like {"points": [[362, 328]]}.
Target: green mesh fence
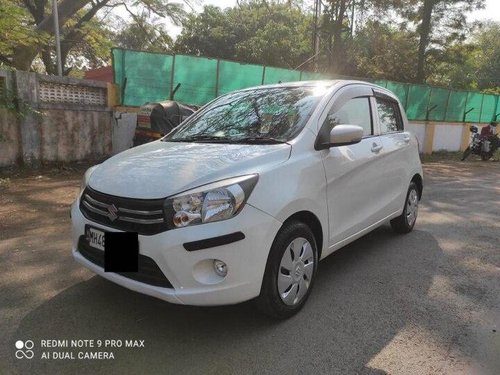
{"points": [[277, 75], [489, 106], [234, 76], [143, 77], [438, 101], [456, 106], [150, 77], [198, 79]]}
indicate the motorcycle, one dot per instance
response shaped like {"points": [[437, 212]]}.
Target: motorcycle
{"points": [[484, 148]]}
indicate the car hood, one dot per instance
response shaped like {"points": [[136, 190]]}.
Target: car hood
{"points": [[160, 169]]}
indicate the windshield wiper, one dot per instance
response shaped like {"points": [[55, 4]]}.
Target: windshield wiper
{"points": [[257, 140], [200, 138], [216, 139]]}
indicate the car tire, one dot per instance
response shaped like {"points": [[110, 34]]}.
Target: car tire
{"points": [[290, 271], [406, 221], [466, 153], [485, 156]]}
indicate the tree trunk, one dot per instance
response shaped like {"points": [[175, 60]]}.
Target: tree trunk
{"points": [[424, 30], [337, 48], [24, 55]]}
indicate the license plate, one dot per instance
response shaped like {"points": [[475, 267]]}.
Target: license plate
{"points": [[95, 238]]}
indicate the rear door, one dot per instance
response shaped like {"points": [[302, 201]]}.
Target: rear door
{"points": [[396, 144], [352, 172]]}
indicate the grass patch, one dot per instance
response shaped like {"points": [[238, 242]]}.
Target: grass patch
{"points": [[444, 156], [438, 156]]}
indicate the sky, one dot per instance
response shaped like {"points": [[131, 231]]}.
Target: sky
{"points": [[492, 11]]}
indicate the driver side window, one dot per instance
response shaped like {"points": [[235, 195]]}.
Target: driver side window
{"points": [[354, 112]]}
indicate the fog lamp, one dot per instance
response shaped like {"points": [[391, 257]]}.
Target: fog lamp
{"points": [[220, 268]]}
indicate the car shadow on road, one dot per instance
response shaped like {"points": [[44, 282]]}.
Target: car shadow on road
{"points": [[364, 295]]}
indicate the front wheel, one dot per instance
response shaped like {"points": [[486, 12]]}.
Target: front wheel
{"points": [[466, 153], [290, 271], [406, 221]]}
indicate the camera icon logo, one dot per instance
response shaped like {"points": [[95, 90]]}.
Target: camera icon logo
{"points": [[24, 349]]}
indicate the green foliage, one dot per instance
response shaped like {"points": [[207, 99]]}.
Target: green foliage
{"points": [[84, 46], [12, 103], [255, 32], [487, 41], [144, 35], [15, 29], [27, 36], [381, 51]]}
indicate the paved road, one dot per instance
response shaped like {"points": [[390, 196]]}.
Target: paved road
{"points": [[424, 303]]}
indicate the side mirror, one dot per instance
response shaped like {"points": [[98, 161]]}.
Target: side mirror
{"points": [[343, 135]]}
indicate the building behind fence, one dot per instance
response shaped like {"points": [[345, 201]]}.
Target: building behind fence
{"points": [[47, 118], [150, 77]]}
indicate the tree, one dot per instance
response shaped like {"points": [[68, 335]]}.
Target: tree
{"points": [[488, 57], [15, 29], [75, 21], [381, 51], [335, 29], [209, 34], [254, 32], [145, 35], [439, 22]]}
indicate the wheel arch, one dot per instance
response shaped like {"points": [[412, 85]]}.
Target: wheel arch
{"points": [[418, 180], [312, 221]]}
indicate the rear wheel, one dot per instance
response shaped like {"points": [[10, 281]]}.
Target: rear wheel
{"points": [[406, 221], [486, 156], [290, 271]]}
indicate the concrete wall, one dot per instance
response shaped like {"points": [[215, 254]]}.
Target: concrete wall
{"points": [[10, 151], [124, 124], [58, 119], [71, 135], [442, 136]]}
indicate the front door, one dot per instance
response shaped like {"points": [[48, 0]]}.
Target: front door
{"points": [[353, 172]]}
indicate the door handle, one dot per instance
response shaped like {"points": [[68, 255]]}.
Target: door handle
{"points": [[376, 148], [406, 138]]}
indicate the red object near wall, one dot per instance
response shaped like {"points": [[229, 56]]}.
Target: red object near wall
{"points": [[100, 74]]}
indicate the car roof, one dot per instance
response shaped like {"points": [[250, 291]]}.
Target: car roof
{"points": [[313, 83], [329, 84]]}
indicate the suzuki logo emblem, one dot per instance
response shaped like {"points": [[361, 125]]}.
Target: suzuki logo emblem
{"points": [[112, 210]]}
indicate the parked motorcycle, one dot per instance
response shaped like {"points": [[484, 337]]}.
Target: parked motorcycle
{"points": [[484, 148]]}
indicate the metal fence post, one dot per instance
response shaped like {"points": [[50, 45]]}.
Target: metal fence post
{"points": [[172, 77], [217, 78]]}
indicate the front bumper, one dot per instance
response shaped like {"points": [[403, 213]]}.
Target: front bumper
{"points": [[189, 272]]}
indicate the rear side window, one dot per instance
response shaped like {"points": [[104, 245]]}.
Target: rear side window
{"points": [[354, 112], [389, 116]]}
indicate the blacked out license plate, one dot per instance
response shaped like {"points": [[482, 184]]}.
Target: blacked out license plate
{"points": [[121, 249]]}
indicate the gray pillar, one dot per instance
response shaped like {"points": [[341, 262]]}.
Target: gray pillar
{"points": [[27, 95]]}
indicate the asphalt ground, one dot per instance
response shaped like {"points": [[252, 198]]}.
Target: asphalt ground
{"points": [[423, 303]]}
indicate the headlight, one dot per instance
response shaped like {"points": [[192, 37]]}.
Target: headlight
{"points": [[86, 178], [214, 202]]}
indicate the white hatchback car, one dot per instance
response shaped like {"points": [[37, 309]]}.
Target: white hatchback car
{"points": [[244, 198]]}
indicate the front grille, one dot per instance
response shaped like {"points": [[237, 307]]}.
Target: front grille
{"points": [[148, 271], [144, 216]]}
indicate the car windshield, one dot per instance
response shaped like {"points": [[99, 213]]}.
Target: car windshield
{"points": [[266, 115]]}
